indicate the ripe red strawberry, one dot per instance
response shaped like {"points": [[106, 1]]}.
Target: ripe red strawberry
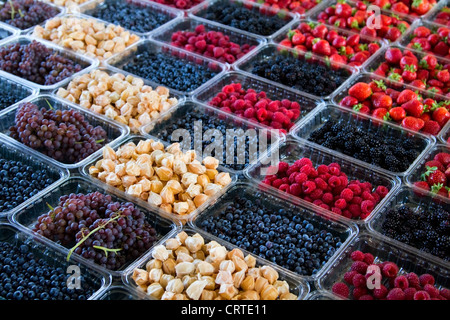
{"points": [[381, 100], [321, 47], [412, 123], [361, 91], [381, 113], [393, 34], [400, 7], [298, 38], [365, 31], [443, 75], [431, 127], [320, 31], [435, 163], [377, 85], [348, 101], [397, 114], [413, 108], [443, 157], [433, 176], [353, 40], [428, 62], [392, 93], [405, 96], [441, 48], [343, 10], [393, 55], [422, 32], [420, 6], [409, 61], [422, 185], [418, 84], [441, 115]]}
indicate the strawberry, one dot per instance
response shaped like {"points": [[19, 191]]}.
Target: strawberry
{"points": [[422, 32], [381, 113], [339, 41], [413, 108], [400, 7], [393, 34], [441, 48], [365, 31], [320, 31], [397, 114], [392, 93], [353, 40], [443, 158], [361, 91], [361, 108], [381, 100], [377, 86], [443, 75], [412, 123], [348, 101], [431, 127], [336, 61], [409, 75], [405, 96], [373, 47], [321, 47], [433, 39], [441, 115], [422, 185], [435, 163], [343, 10], [447, 175], [409, 62], [331, 35], [393, 55], [433, 176], [418, 84], [420, 6], [428, 62], [298, 38]]}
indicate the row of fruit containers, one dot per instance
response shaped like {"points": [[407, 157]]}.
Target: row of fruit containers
{"points": [[97, 186]]}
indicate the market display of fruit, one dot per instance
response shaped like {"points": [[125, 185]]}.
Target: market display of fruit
{"points": [[338, 46], [131, 150], [354, 16]]}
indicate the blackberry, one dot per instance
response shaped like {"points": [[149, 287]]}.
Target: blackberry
{"points": [[365, 145]]}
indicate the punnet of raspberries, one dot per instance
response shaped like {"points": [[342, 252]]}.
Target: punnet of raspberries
{"points": [[435, 175], [338, 47], [354, 16], [255, 106], [424, 71], [431, 40], [294, 6], [394, 284], [327, 187], [211, 44], [403, 106], [179, 4], [442, 16]]}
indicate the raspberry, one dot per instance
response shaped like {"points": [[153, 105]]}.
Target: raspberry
{"points": [[321, 169], [294, 105], [292, 176], [367, 206], [366, 195], [382, 191], [426, 279], [316, 194], [445, 293], [380, 293], [284, 187], [341, 204], [317, 202], [347, 194], [368, 258], [279, 117], [251, 96], [277, 183], [325, 206], [261, 114], [355, 210], [334, 182], [357, 255], [335, 171], [355, 188], [413, 280], [306, 169], [274, 106], [308, 187], [320, 183], [249, 113], [303, 162], [409, 293], [327, 198], [366, 297], [295, 189], [344, 180], [283, 166], [357, 200], [291, 170], [347, 214], [239, 104], [336, 211], [201, 45], [359, 266], [432, 291], [376, 197], [422, 295], [199, 29], [401, 282], [274, 124], [359, 280], [261, 104], [341, 289], [396, 294], [300, 178], [358, 292], [389, 270]]}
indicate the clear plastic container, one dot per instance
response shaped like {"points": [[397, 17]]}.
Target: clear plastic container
{"points": [[270, 50], [406, 38], [383, 250], [444, 136], [264, 11], [7, 32], [60, 10], [115, 132], [419, 168], [368, 77], [97, 280], [405, 196], [297, 285], [320, 218], [430, 16], [333, 112], [118, 61], [317, 295], [164, 34], [172, 216], [282, 34], [379, 58], [91, 8], [293, 149], [274, 91], [110, 72], [27, 216], [12, 150], [121, 293], [185, 11], [16, 89], [197, 109], [85, 62]]}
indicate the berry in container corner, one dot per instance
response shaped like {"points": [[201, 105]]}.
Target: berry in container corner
{"points": [[430, 40], [442, 17], [337, 46], [435, 175], [354, 17], [413, 110]]}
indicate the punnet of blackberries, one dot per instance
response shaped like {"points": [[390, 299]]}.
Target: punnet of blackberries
{"points": [[63, 135], [36, 63], [107, 232], [24, 14]]}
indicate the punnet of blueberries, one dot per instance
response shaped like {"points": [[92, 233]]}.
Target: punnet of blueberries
{"points": [[19, 182], [393, 153], [237, 16], [300, 74], [265, 226], [24, 14], [130, 14], [169, 70], [11, 93], [28, 275]]}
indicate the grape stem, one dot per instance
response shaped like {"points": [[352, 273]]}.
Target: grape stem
{"points": [[49, 104], [91, 233], [106, 250]]}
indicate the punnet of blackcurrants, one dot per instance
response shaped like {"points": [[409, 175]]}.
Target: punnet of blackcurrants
{"points": [[24, 14]]}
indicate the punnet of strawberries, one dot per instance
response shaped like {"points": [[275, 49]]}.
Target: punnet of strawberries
{"points": [[336, 45], [327, 186], [430, 39], [405, 107], [211, 44], [422, 70], [442, 17], [354, 16], [294, 6], [435, 175], [411, 7]]}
